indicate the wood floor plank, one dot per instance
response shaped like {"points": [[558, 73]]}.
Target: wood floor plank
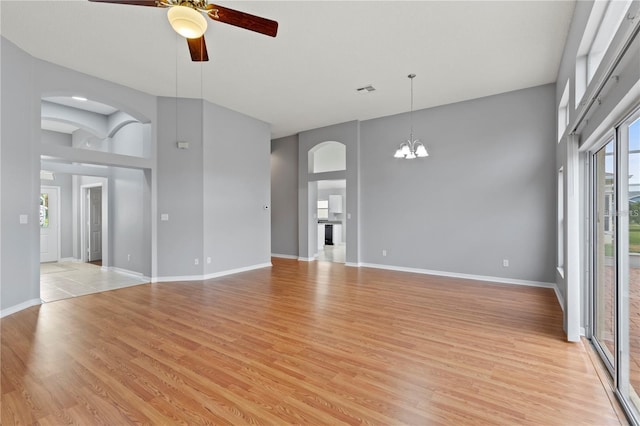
{"points": [[300, 343]]}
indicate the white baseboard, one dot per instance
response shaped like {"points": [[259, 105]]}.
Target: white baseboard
{"points": [[559, 296], [20, 306], [463, 276], [69, 259], [306, 259], [210, 276], [284, 256], [126, 272], [353, 265]]}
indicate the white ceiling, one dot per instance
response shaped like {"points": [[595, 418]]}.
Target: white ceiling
{"points": [[307, 76], [87, 105]]}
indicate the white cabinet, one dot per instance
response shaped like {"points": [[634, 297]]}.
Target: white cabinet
{"points": [[337, 233], [335, 203]]}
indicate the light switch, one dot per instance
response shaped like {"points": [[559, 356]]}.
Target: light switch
{"points": [[164, 217], [348, 215], [24, 219]]}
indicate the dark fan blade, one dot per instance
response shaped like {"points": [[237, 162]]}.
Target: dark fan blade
{"points": [[135, 2], [198, 49], [243, 20]]}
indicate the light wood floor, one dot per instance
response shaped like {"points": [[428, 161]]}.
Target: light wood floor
{"points": [[302, 342]]}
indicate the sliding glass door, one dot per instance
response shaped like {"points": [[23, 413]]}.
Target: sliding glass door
{"points": [[604, 291], [615, 195], [629, 133]]}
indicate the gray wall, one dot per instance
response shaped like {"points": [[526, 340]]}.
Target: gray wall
{"points": [[236, 190], [486, 193], [284, 196], [180, 188], [128, 208], [20, 179], [214, 192]]}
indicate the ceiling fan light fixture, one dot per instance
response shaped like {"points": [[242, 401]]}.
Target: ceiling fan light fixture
{"points": [[186, 21]]}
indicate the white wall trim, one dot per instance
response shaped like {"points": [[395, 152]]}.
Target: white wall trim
{"points": [[70, 259], [353, 265], [126, 272], [499, 280], [284, 256], [20, 306], [210, 276], [556, 289], [306, 259]]}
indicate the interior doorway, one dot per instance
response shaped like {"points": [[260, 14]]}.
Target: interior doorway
{"points": [[331, 207]]}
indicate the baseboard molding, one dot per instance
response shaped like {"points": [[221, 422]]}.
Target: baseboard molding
{"points": [[126, 272], [499, 280], [20, 306], [284, 256], [306, 259], [353, 265], [70, 259], [559, 296], [210, 276]]}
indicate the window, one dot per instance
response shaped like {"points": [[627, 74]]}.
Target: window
{"points": [[604, 21], [323, 209], [561, 221], [563, 112], [44, 210]]}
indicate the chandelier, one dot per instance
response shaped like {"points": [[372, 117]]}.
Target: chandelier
{"points": [[411, 148]]}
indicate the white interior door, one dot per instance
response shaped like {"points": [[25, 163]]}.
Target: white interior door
{"points": [[49, 223], [95, 224]]}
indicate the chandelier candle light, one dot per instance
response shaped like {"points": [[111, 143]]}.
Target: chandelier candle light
{"points": [[412, 148]]}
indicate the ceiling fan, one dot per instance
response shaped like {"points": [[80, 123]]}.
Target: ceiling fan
{"points": [[187, 19]]}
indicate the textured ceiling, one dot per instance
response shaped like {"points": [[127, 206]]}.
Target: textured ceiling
{"points": [[307, 76]]}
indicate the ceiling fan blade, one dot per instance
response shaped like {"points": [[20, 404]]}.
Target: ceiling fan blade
{"points": [[198, 49], [243, 20], [134, 2]]}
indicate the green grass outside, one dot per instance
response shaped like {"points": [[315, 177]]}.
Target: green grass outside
{"points": [[634, 238], [634, 241]]}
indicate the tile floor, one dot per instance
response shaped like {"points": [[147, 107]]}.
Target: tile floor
{"points": [[334, 253], [62, 280]]}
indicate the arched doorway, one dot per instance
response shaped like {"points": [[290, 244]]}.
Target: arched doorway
{"points": [[328, 193]]}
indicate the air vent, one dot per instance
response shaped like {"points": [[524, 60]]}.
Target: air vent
{"points": [[366, 89]]}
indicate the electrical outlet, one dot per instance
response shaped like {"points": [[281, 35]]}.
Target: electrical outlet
{"points": [[384, 252], [505, 263], [208, 260], [197, 261], [128, 258]]}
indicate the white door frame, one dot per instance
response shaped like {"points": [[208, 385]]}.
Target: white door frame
{"points": [[84, 205], [57, 190]]}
